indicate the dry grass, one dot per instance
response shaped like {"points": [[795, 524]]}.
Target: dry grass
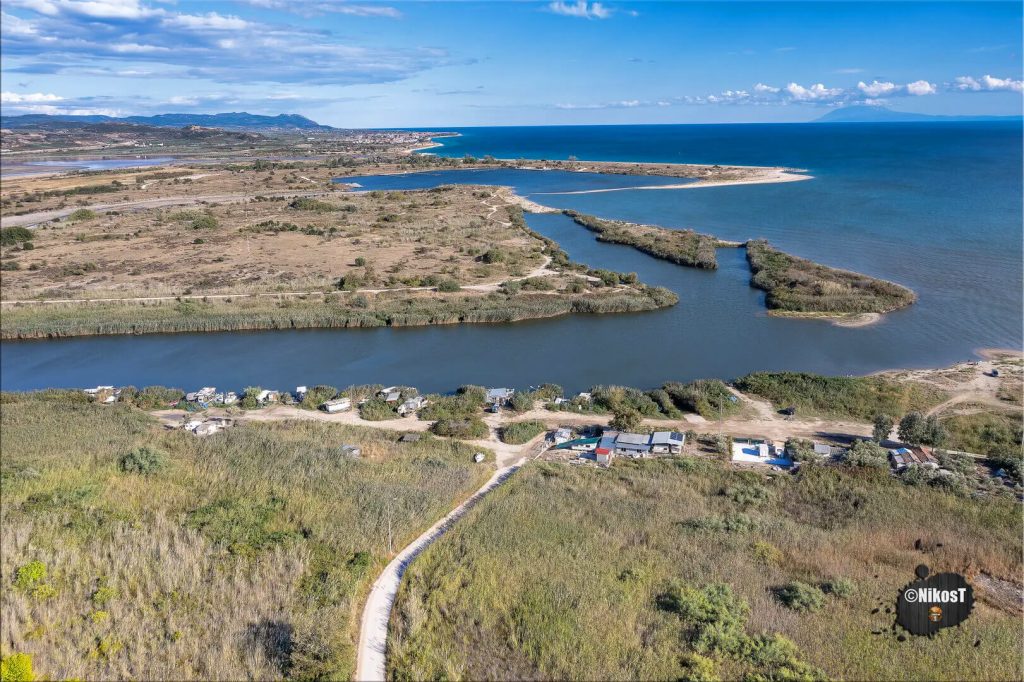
{"points": [[559, 574], [394, 239], [247, 556]]}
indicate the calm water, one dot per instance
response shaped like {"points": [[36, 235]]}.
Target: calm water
{"points": [[936, 207]]}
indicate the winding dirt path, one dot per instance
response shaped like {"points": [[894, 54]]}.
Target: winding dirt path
{"points": [[373, 630]]}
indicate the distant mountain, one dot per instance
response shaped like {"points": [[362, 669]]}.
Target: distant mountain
{"points": [[859, 113], [228, 121]]}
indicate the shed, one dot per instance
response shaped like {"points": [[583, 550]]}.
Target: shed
{"points": [[499, 396], [337, 405]]}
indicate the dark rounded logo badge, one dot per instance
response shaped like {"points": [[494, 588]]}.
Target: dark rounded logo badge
{"points": [[927, 605]]}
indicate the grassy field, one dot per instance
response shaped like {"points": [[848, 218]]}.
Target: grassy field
{"points": [[682, 569], [857, 397], [682, 247], [132, 552], [395, 309], [797, 285]]}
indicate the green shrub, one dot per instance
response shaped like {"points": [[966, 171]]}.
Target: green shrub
{"points": [[725, 523], [864, 453], [917, 429], [81, 214], [317, 396], [518, 433], [376, 410], [800, 596], [710, 398], [844, 588], [800, 450], [9, 236], [143, 461], [448, 285], [16, 668], [242, 525], [471, 428], [29, 575]]}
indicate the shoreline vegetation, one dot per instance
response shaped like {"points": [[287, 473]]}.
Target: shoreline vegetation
{"points": [[797, 286], [682, 247], [322, 312]]}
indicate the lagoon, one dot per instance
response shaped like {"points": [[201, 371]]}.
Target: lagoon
{"points": [[936, 207]]}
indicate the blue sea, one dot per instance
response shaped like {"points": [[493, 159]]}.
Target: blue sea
{"points": [[933, 206]]}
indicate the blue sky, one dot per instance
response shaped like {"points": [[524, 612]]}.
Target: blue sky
{"points": [[362, 63]]}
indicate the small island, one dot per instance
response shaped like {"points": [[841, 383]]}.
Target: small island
{"points": [[798, 287]]}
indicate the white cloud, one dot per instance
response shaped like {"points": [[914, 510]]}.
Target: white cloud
{"points": [[209, 21], [761, 87], [816, 92], [581, 9], [988, 83], [877, 88], [16, 97], [921, 87]]}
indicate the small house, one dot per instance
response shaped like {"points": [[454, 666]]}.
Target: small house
{"points": [[667, 442], [604, 458], [901, 458], [500, 396], [561, 435], [300, 392], [411, 405], [230, 398], [579, 445], [584, 397], [392, 397], [351, 451], [337, 405], [633, 444], [759, 451]]}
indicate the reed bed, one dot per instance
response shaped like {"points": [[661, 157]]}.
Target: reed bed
{"points": [[328, 311], [798, 285], [682, 247]]}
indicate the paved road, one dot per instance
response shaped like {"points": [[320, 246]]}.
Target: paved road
{"points": [[373, 631]]}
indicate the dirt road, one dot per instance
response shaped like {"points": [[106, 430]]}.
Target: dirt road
{"points": [[373, 630]]}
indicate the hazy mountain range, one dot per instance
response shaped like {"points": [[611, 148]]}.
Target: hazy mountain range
{"points": [[869, 114], [226, 121]]}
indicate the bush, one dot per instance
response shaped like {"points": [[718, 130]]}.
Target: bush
{"points": [[864, 453], [800, 450], [205, 221], [710, 398], [472, 428], [376, 410], [522, 401], [30, 575], [143, 461], [448, 285], [518, 433], [9, 236], [800, 596], [81, 214], [250, 398], [150, 397], [843, 588], [16, 668], [317, 396]]}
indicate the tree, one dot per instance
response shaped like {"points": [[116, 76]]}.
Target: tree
{"points": [[917, 429], [626, 419], [883, 427]]}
